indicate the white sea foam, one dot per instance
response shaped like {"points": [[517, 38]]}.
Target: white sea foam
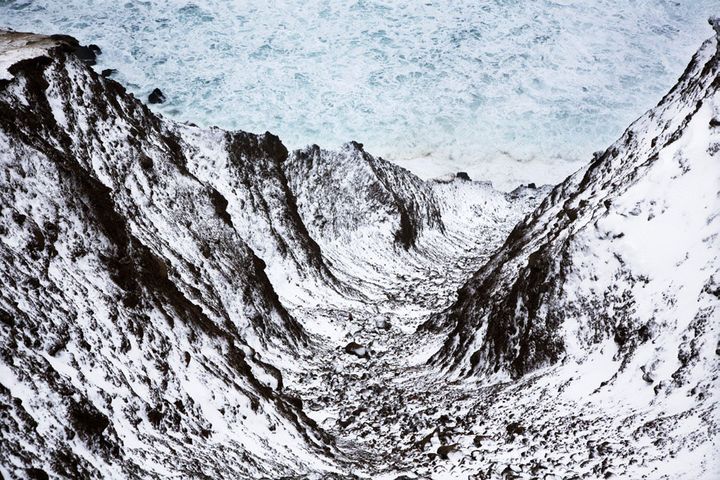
{"points": [[509, 90]]}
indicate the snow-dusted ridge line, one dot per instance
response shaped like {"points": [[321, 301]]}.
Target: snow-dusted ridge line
{"points": [[531, 305], [392, 187], [181, 301], [137, 325], [145, 263]]}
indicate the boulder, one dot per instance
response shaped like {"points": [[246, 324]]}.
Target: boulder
{"points": [[356, 349], [444, 450], [87, 54], [156, 96], [382, 323]]}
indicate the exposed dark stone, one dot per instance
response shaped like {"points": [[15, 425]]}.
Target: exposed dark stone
{"points": [[69, 465], [345, 423], [514, 428], [156, 96], [444, 450], [36, 474], [272, 144], [463, 176], [146, 163], [6, 318], [644, 333], [87, 419], [220, 203], [108, 72], [72, 41], [19, 218], [86, 54], [572, 213], [356, 349], [155, 416]]}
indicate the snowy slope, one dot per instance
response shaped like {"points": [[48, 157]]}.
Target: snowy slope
{"points": [[392, 202], [141, 258], [247, 171], [187, 302], [134, 317], [378, 224], [607, 294], [623, 248]]}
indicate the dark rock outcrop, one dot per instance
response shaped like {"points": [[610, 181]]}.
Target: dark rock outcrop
{"points": [[156, 96]]}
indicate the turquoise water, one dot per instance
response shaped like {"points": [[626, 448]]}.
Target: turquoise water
{"points": [[509, 90]]}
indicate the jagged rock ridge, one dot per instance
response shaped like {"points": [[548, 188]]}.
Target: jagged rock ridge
{"points": [[201, 303], [387, 192], [134, 317], [573, 273], [145, 264]]}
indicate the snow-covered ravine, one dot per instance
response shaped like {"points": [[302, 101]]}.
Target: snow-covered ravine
{"points": [[181, 302]]}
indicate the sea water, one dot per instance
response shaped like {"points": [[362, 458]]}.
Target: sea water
{"points": [[513, 91]]}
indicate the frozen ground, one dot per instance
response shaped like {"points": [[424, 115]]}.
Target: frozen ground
{"points": [[511, 91]]}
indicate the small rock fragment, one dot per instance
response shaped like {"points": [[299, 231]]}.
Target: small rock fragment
{"points": [[156, 96], [88, 55], [444, 450], [356, 349], [382, 323]]}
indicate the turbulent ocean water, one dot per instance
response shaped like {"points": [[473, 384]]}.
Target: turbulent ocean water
{"points": [[508, 90]]}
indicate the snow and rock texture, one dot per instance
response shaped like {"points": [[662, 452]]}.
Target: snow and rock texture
{"points": [[616, 275], [133, 313], [183, 302], [377, 223], [364, 194], [625, 248]]}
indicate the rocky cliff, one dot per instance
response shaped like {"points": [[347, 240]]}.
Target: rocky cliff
{"points": [[133, 312], [188, 302], [626, 249]]}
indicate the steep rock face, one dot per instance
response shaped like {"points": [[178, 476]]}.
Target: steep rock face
{"points": [[379, 225], [247, 171], [136, 322], [624, 254], [368, 196]]}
